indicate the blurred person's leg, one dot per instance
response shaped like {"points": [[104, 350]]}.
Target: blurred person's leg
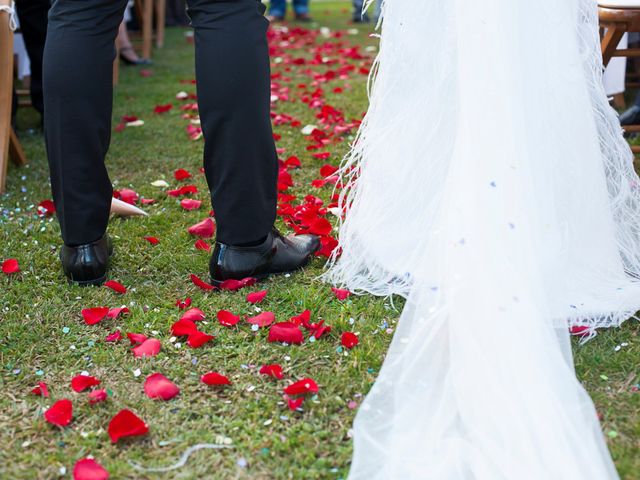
{"points": [[277, 9], [33, 25]]}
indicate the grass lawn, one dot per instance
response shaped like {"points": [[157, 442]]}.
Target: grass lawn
{"points": [[43, 337]]}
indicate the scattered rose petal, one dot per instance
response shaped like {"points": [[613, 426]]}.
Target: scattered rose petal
{"points": [[201, 283], [306, 385], [349, 340], [340, 293], [294, 403], [136, 337], [97, 396], [159, 386], [183, 327], [198, 338], [214, 378], [162, 108], [89, 469], [273, 370], [182, 304], [94, 315], [204, 229], [190, 203], [10, 266], [263, 319], [193, 314], [126, 424], [115, 286], [256, 297], [60, 413], [227, 319], [580, 330], [114, 337], [46, 208], [41, 390], [149, 348], [202, 245], [286, 332], [152, 240], [80, 383], [181, 174], [116, 312]]}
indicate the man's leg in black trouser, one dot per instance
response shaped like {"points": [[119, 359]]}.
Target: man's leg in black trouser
{"points": [[232, 70], [77, 81], [33, 25]]}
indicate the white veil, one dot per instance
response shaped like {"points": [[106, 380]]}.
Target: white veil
{"points": [[490, 186]]}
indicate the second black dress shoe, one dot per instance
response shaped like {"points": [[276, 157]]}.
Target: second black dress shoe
{"points": [[277, 254], [87, 264]]}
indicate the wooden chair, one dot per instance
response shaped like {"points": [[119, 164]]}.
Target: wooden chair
{"points": [[618, 17], [10, 147]]}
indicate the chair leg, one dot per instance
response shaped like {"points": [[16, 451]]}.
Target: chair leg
{"points": [[610, 42], [16, 153], [161, 7], [6, 87]]}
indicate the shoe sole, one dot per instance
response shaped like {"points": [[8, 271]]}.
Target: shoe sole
{"points": [[98, 282], [263, 276]]}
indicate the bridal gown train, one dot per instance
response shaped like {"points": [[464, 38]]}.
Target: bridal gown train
{"points": [[490, 186]]}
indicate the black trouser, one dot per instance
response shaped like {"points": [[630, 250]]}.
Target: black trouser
{"points": [[232, 69]]}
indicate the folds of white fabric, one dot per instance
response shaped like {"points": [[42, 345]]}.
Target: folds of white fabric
{"points": [[493, 189]]}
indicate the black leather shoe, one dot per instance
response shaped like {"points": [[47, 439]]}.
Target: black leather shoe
{"points": [[631, 116], [87, 264], [277, 254]]}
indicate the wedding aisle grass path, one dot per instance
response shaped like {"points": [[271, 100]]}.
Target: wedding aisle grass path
{"points": [[319, 78]]}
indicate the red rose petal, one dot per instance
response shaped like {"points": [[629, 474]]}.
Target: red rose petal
{"points": [[204, 229], [340, 293], [136, 337], [306, 385], [79, 383], [183, 327], [10, 266], [580, 330], [127, 195], [274, 371], [152, 240], [126, 424], [286, 332], [116, 312], [89, 469], [320, 226], [302, 319], [41, 390], [294, 404], [227, 319], [214, 378], [202, 245], [232, 285], [349, 340], [190, 204], [198, 338], [46, 208], [114, 337], [181, 174], [193, 314], [292, 162], [60, 413], [115, 286], [162, 108], [318, 329], [149, 348], [201, 283], [263, 319], [256, 297], [159, 386], [182, 304], [328, 170], [94, 315], [97, 396]]}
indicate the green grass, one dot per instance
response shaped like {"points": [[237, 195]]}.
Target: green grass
{"points": [[43, 338]]}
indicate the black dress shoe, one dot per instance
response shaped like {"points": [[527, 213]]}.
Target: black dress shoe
{"points": [[631, 116], [277, 254], [87, 264]]}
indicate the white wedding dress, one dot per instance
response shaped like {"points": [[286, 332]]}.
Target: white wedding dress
{"points": [[491, 186]]}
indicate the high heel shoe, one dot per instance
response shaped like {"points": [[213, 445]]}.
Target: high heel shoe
{"points": [[128, 61]]}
